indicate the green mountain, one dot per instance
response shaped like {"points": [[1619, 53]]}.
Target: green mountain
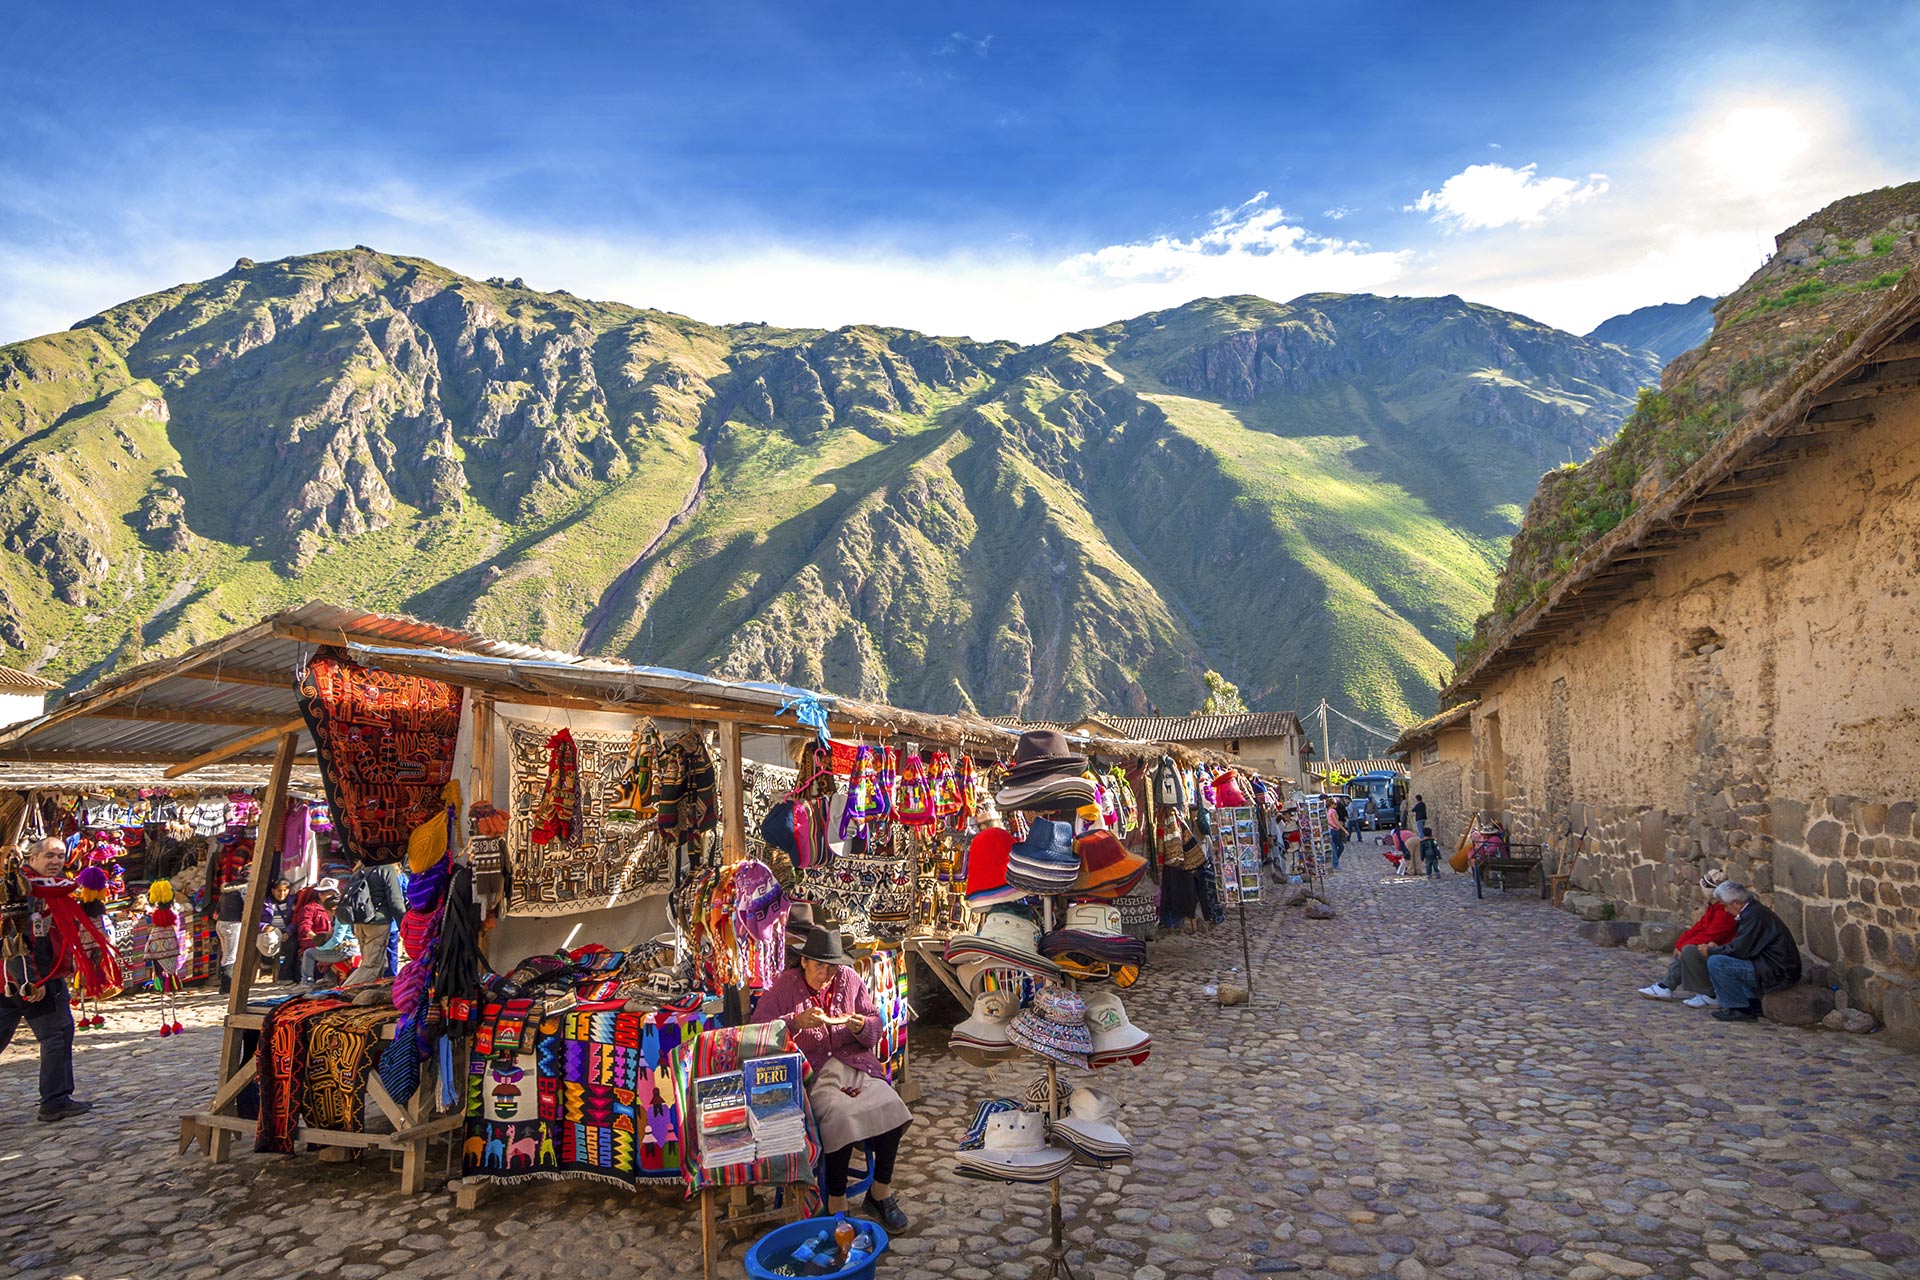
{"points": [[1321, 489], [1668, 329]]}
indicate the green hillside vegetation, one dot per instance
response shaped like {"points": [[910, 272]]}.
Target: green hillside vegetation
{"points": [[1322, 488]]}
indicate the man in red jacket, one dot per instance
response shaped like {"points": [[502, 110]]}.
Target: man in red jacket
{"points": [[1689, 968]]}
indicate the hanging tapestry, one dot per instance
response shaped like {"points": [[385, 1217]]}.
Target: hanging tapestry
{"points": [[598, 1099], [603, 864], [386, 750]]}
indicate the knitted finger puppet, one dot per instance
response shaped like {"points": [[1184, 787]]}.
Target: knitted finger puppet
{"points": [[166, 954]]}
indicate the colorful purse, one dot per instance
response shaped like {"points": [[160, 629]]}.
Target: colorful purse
{"points": [[914, 803], [633, 792]]}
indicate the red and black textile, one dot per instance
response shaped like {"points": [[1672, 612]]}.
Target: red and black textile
{"points": [[283, 1070], [386, 749]]}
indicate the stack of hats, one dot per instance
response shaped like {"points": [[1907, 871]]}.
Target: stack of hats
{"points": [[987, 859], [1091, 936], [1054, 1026], [1088, 1131], [1114, 1038], [982, 1040], [1008, 938], [1044, 862], [1107, 869], [1045, 775], [1014, 1149]]}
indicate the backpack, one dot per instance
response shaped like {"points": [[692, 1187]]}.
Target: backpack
{"points": [[356, 900]]}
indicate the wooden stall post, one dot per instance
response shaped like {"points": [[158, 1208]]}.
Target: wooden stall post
{"points": [[733, 802], [273, 809], [480, 783], [19, 827]]}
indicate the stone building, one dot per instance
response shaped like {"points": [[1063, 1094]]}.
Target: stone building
{"points": [[1731, 677], [1438, 753]]}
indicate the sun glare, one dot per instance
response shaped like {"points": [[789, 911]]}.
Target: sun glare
{"points": [[1753, 149]]}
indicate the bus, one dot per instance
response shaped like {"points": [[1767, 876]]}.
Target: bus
{"points": [[1376, 799]]}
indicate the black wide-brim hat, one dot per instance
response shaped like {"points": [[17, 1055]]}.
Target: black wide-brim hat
{"points": [[824, 945]]}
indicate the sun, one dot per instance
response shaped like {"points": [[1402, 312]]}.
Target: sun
{"points": [[1754, 148]]}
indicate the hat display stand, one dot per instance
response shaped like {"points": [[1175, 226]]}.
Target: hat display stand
{"points": [[1057, 1264]]}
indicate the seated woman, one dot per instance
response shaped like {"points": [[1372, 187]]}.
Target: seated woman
{"points": [[1714, 928], [833, 1021]]}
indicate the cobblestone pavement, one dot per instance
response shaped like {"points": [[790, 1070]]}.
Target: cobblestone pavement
{"points": [[1426, 1086]]}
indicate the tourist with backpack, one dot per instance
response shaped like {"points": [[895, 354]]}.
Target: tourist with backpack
{"points": [[373, 902]]}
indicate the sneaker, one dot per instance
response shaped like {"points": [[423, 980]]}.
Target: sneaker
{"points": [[888, 1211], [1657, 991], [1702, 1002], [64, 1110]]}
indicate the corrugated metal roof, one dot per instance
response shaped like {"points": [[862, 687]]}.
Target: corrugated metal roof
{"points": [[1213, 728]]}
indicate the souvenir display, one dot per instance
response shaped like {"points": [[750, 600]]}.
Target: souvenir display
{"points": [[165, 949]]}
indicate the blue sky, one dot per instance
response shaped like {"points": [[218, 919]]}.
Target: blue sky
{"points": [[1005, 170]]}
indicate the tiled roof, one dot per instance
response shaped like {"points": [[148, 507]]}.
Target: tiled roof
{"points": [[1415, 734], [1245, 724], [1351, 767], [22, 682]]}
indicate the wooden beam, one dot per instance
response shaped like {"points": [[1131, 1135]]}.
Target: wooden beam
{"points": [[480, 779], [273, 807], [241, 675], [18, 827], [733, 796], [1909, 350], [1869, 390], [192, 715], [17, 755], [238, 746], [1823, 426]]}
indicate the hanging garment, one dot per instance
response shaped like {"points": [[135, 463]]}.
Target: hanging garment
{"points": [[558, 811]]}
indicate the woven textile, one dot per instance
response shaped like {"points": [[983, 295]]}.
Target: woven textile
{"points": [[596, 1100], [341, 1050], [386, 749], [724, 1049], [600, 864], [283, 1069]]}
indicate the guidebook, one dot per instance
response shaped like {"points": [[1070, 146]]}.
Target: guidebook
{"points": [[720, 1112], [776, 1105]]}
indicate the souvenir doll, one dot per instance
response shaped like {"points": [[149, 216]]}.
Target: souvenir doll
{"points": [[167, 954], [98, 965]]}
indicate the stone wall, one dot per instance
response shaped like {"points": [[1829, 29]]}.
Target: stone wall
{"points": [[1444, 784], [1755, 706]]}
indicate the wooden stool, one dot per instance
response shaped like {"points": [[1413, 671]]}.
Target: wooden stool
{"points": [[739, 1215]]}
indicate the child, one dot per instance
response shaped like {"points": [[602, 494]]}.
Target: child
{"points": [[1430, 856]]}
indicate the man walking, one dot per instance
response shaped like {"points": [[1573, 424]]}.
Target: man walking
{"points": [[1761, 956], [373, 901], [1420, 816], [36, 990]]}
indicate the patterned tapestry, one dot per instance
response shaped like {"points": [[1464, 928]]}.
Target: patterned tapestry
{"points": [[596, 1100], [386, 749], [605, 864]]}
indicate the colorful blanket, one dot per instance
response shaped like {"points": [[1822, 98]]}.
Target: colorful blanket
{"points": [[283, 1070], [597, 864], [724, 1049], [598, 1099], [341, 1051], [386, 749]]}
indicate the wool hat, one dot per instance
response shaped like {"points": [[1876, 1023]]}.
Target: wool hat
{"points": [[1045, 773], [1044, 862], [777, 829], [987, 856], [1107, 869], [1226, 791], [1054, 1026]]}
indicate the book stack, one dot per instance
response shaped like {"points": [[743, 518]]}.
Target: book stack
{"points": [[776, 1107], [720, 1111]]}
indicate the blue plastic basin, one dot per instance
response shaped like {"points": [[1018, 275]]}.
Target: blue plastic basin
{"points": [[782, 1241]]}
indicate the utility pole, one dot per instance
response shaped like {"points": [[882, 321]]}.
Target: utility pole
{"points": [[1326, 747]]}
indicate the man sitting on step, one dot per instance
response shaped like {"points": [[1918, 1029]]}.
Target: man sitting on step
{"points": [[1689, 968], [1761, 956]]}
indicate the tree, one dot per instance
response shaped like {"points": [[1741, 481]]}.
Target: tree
{"points": [[1223, 696]]}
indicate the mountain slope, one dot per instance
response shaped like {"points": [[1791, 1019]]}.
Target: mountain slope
{"points": [[1668, 329], [1320, 489]]}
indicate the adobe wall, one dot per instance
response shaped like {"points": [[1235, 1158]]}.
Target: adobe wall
{"points": [[1755, 706], [1444, 784]]}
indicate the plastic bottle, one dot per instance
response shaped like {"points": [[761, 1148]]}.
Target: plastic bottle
{"points": [[861, 1253], [811, 1253], [844, 1233]]}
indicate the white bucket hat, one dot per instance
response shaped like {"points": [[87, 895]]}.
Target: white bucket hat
{"points": [[1088, 1127], [982, 1039], [1114, 1035], [1098, 918], [1016, 1148]]}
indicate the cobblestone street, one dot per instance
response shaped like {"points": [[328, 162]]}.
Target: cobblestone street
{"points": [[1428, 1085]]}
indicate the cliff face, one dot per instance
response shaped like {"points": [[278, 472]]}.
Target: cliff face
{"points": [[1321, 488]]}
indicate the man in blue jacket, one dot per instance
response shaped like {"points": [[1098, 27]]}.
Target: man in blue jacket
{"points": [[1760, 957]]}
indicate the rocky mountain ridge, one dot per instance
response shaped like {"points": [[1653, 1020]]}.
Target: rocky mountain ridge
{"points": [[1321, 488]]}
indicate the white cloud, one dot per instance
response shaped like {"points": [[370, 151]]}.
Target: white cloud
{"points": [[961, 42], [1497, 195], [1335, 214]]}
